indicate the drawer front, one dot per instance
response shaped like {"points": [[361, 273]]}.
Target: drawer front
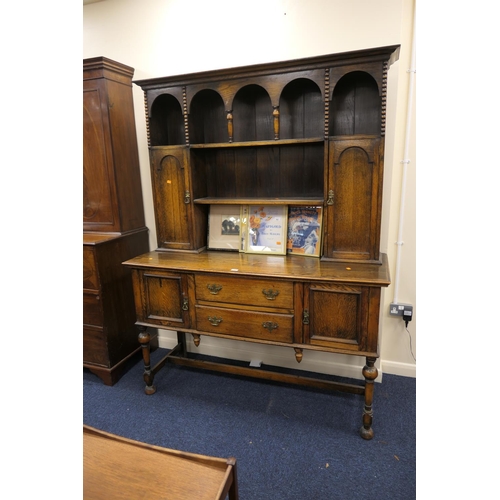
{"points": [[247, 292], [256, 325], [92, 309], [90, 277], [95, 349]]}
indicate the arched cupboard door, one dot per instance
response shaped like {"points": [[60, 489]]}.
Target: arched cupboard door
{"points": [[170, 191], [354, 199]]}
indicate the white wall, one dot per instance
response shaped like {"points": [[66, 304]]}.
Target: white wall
{"points": [[168, 37]]}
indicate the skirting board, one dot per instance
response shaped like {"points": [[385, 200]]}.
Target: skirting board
{"points": [[313, 361], [402, 369]]}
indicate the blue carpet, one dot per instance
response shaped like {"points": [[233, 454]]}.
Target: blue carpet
{"points": [[290, 442]]}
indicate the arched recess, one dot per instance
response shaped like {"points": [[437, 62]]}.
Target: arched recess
{"points": [[166, 123], [252, 114], [207, 118], [356, 105], [301, 110]]}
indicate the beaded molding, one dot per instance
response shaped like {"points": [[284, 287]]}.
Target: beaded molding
{"points": [[185, 113], [147, 118], [327, 102], [384, 99]]}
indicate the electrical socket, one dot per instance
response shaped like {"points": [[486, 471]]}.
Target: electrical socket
{"points": [[404, 310]]}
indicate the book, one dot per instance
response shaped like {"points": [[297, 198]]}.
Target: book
{"points": [[304, 230]]}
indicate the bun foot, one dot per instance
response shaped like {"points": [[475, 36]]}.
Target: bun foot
{"points": [[150, 389], [366, 433]]}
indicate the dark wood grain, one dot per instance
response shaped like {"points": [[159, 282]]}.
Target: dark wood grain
{"points": [[109, 335], [113, 217], [305, 132], [112, 193], [290, 267]]}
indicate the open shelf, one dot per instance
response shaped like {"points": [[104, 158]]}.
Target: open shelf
{"points": [[296, 201], [278, 142], [296, 133]]}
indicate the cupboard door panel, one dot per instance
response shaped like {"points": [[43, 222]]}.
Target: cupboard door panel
{"points": [[353, 215], [112, 193], [170, 185], [353, 182], [338, 316], [97, 189], [163, 299]]}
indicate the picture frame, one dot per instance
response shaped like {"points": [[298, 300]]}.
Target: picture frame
{"points": [[244, 227], [305, 228], [224, 230], [267, 229]]}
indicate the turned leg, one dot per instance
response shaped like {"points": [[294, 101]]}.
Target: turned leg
{"points": [[181, 341], [144, 340], [370, 373]]}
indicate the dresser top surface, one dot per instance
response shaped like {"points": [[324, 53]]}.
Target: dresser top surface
{"points": [[275, 266]]}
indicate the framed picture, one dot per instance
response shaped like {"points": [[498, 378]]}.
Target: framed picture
{"points": [[224, 230], [304, 231], [266, 229], [243, 227]]}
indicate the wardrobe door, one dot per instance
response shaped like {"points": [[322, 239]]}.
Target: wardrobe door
{"points": [[98, 190]]}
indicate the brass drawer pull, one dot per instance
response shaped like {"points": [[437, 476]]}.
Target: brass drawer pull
{"points": [[185, 304], [270, 294], [270, 326], [214, 289], [214, 320]]}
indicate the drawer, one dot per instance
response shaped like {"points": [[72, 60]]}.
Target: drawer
{"points": [[251, 292], [92, 309], [250, 324], [95, 349], [90, 277]]}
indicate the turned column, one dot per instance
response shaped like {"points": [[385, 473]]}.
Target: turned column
{"points": [[229, 116], [276, 122], [144, 340], [370, 373]]}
